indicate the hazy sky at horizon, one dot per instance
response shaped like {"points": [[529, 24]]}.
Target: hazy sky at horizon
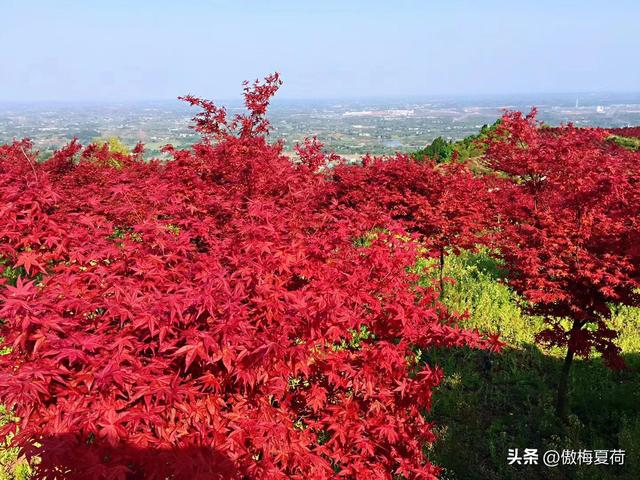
{"points": [[125, 50]]}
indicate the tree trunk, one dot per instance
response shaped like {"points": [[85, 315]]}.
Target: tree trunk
{"points": [[441, 273], [561, 405]]}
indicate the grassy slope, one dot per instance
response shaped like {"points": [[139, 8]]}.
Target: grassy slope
{"points": [[490, 403], [627, 142]]}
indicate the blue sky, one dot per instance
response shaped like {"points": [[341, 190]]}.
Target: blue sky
{"points": [[138, 50]]}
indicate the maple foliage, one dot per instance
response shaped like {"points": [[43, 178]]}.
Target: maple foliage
{"points": [[570, 230], [215, 316], [446, 205], [631, 132]]}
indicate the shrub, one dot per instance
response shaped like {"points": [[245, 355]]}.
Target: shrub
{"points": [[211, 317]]}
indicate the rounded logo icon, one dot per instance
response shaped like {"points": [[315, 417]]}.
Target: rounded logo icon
{"points": [[551, 458]]}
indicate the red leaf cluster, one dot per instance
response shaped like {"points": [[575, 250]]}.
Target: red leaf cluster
{"points": [[631, 132]]}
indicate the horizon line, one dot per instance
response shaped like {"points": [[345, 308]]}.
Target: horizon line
{"points": [[238, 99]]}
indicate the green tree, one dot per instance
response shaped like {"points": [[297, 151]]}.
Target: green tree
{"points": [[439, 150], [114, 143]]}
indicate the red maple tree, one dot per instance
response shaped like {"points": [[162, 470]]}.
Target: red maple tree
{"points": [[446, 205], [212, 316], [570, 230]]}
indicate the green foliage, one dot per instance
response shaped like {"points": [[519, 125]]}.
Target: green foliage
{"points": [[630, 143], [439, 150], [174, 229], [10, 272], [357, 337], [115, 146], [114, 143], [490, 403], [469, 148], [479, 286], [13, 466]]}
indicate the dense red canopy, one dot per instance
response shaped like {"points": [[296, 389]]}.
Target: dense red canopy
{"points": [[213, 316]]}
